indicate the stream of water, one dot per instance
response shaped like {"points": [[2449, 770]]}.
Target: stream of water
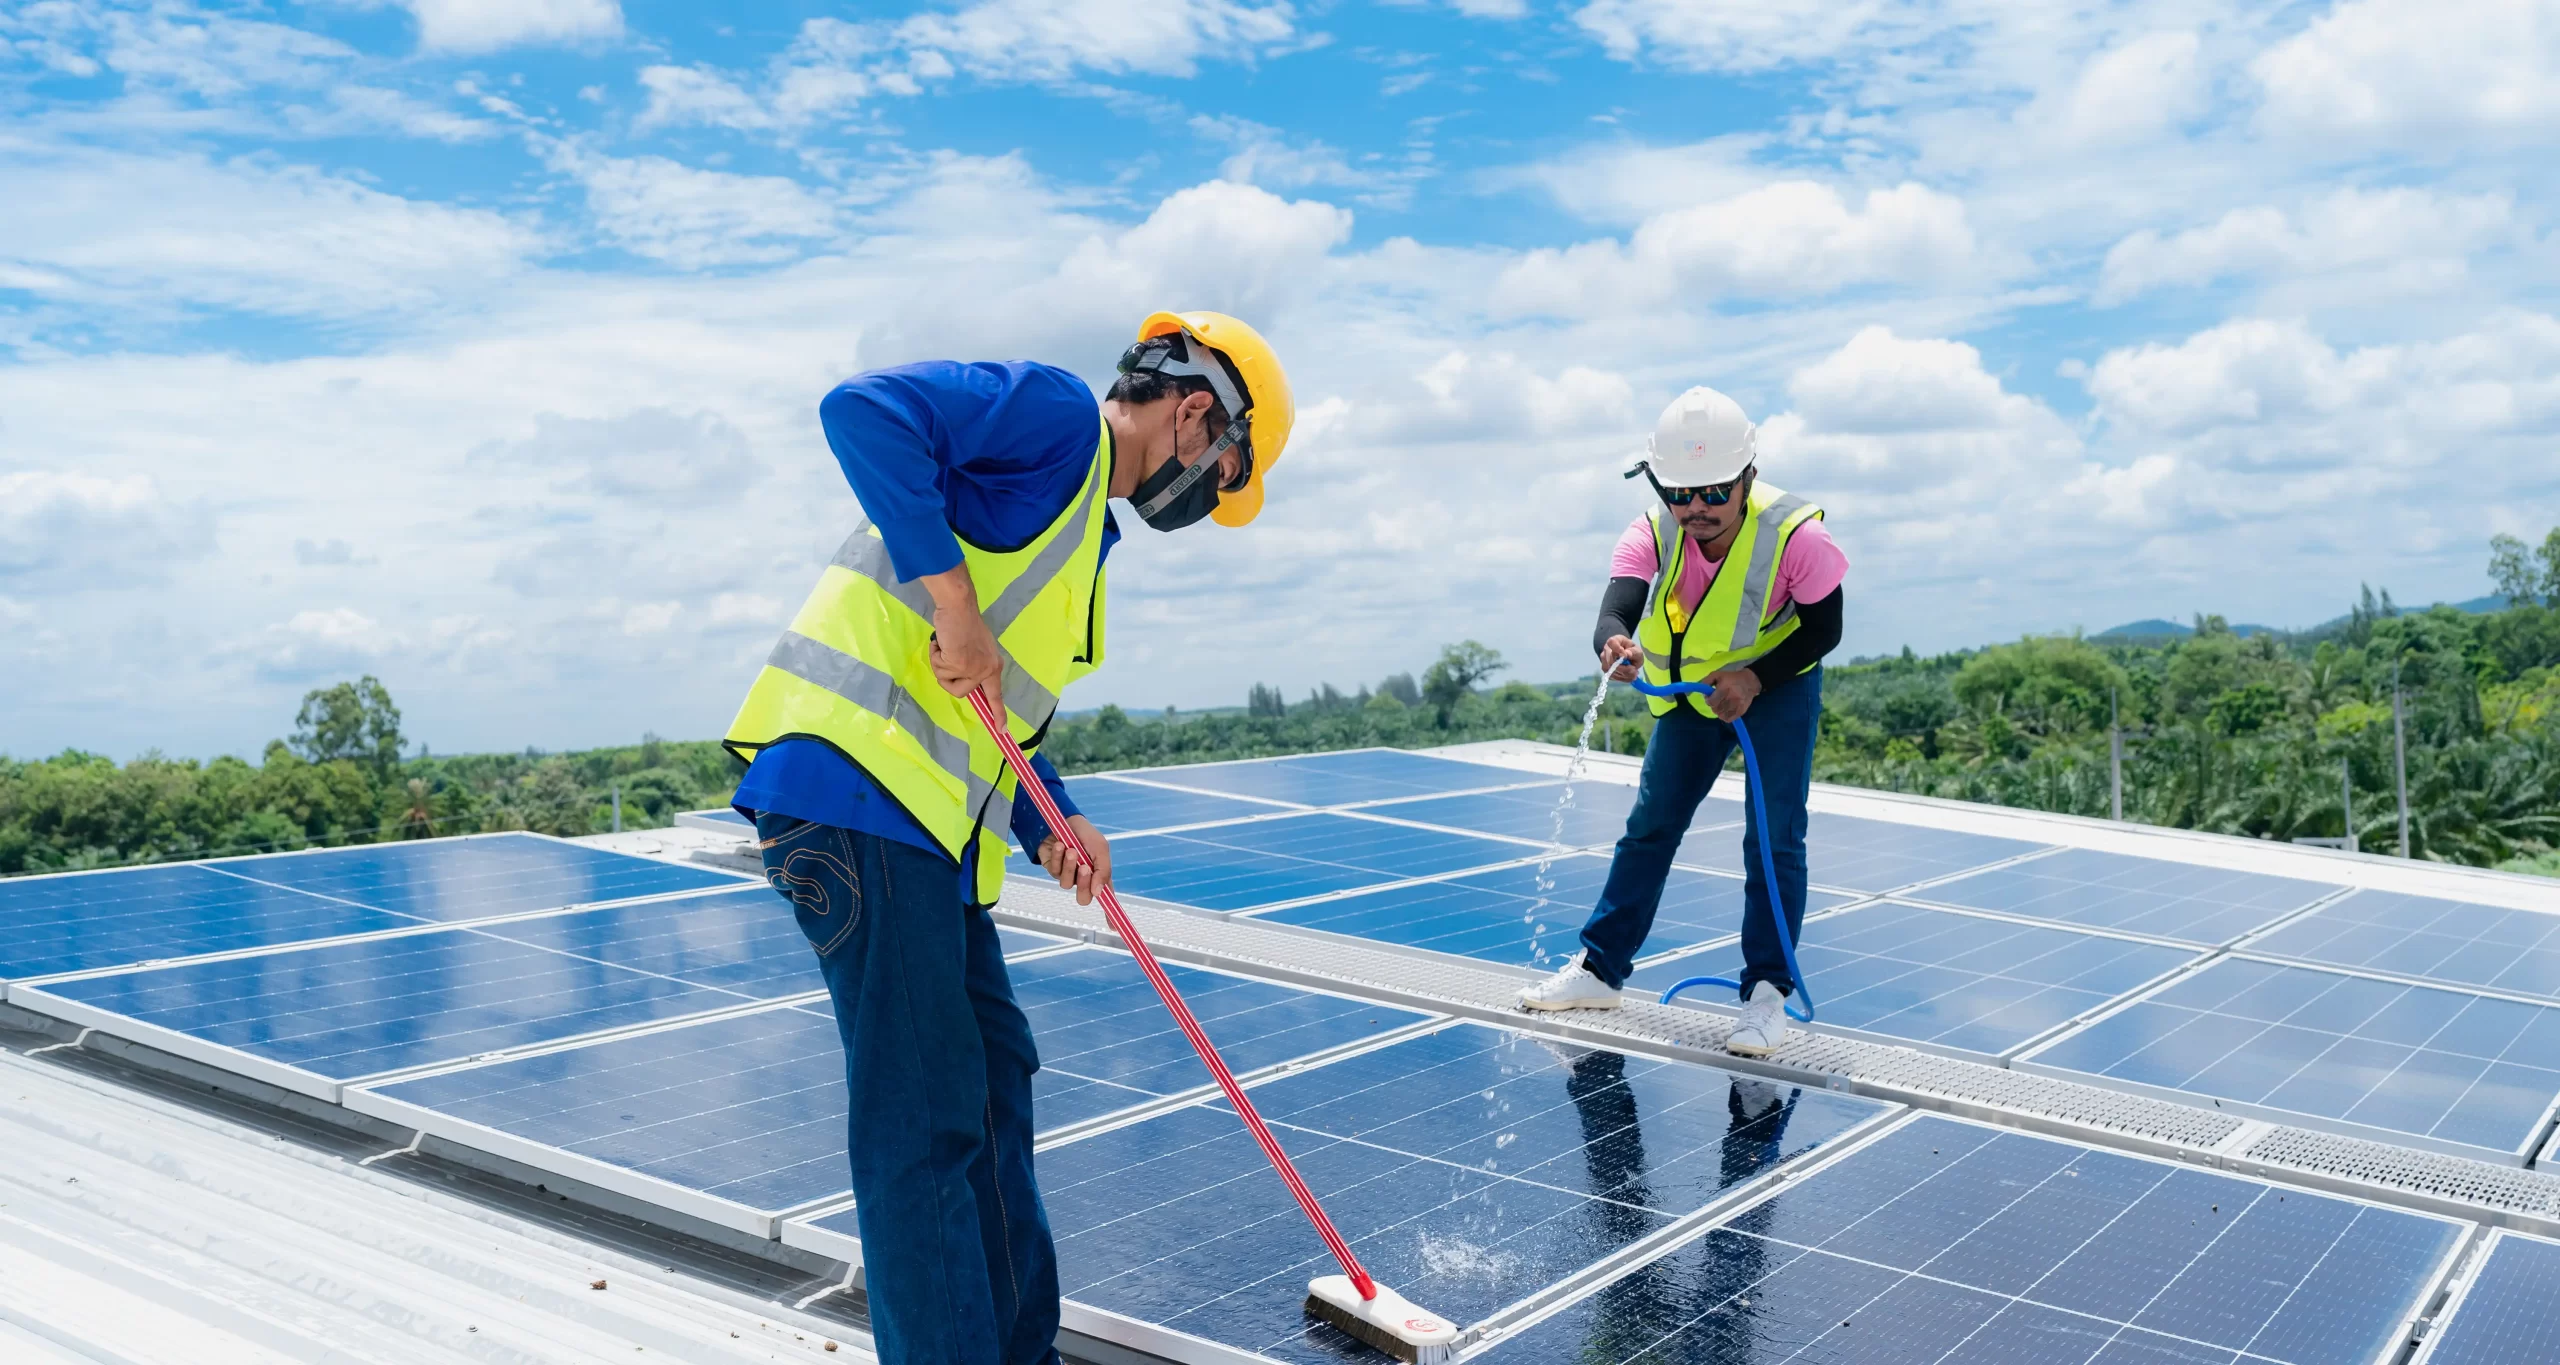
{"points": [[1538, 955]]}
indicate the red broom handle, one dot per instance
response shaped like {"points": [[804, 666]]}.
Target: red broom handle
{"points": [[1039, 794]]}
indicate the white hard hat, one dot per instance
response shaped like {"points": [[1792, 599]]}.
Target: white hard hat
{"points": [[1702, 438]]}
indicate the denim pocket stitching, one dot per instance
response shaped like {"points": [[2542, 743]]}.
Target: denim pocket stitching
{"points": [[809, 893]]}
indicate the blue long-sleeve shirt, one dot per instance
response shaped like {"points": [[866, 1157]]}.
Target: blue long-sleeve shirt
{"points": [[935, 452]]}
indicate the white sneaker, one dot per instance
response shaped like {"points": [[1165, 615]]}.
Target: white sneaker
{"points": [[1573, 987], [1763, 1026]]}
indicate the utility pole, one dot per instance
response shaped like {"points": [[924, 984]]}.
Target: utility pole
{"points": [[2347, 800], [617, 808], [2115, 758], [2400, 757]]}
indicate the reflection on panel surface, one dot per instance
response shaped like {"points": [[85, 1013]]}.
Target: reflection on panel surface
{"points": [[1237, 867], [1934, 976], [1117, 807], [2510, 1313], [745, 941], [1950, 1242], [2207, 905], [1505, 915], [477, 876], [360, 1008], [1863, 855], [2442, 940], [1468, 1167], [2440, 1064], [115, 919], [1338, 778]]}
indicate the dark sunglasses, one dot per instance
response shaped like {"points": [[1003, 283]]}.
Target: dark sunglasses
{"points": [[1713, 495]]}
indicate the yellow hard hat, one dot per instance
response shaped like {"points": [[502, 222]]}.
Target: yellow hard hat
{"points": [[1269, 412]]}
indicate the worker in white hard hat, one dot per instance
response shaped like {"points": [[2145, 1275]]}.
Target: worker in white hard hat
{"points": [[882, 807], [1734, 582]]}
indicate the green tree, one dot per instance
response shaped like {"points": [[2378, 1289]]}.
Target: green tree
{"points": [[353, 720], [1453, 676], [2042, 685], [1265, 701], [2529, 575]]}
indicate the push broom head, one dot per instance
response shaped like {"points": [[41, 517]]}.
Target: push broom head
{"points": [[1386, 1322]]}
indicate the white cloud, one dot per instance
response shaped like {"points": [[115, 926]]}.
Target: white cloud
{"points": [[681, 95], [1790, 239], [1880, 383], [2411, 68], [318, 644], [746, 609], [1264, 156], [70, 531], [688, 217], [650, 618], [2404, 231], [469, 26], [2140, 88], [1712, 35], [1053, 39]]}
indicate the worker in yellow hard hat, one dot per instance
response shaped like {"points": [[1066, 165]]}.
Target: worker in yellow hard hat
{"points": [[881, 805]]}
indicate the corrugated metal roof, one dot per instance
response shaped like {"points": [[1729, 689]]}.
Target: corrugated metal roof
{"points": [[142, 1224]]}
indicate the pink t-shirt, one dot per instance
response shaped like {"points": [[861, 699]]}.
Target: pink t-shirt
{"points": [[1811, 567]]}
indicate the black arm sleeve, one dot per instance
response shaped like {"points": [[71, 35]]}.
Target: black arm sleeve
{"points": [[1817, 634], [1621, 605]]}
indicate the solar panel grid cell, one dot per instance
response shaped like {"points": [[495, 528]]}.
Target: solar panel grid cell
{"points": [[2444, 1065], [1239, 867], [1117, 807], [1947, 1242], [1339, 778], [1856, 854], [1934, 976], [2194, 904], [477, 877], [115, 919], [2510, 1311], [2425, 936]]}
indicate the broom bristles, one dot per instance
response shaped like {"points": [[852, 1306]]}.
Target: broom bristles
{"points": [[1388, 1322]]}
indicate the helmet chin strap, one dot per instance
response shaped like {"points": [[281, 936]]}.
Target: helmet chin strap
{"points": [[1195, 361]]}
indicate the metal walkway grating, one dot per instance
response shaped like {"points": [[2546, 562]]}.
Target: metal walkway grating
{"points": [[2376, 1170]]}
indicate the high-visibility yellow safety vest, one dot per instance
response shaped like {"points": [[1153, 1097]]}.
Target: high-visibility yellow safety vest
{"points": [[1734, 623], [853, 671]]}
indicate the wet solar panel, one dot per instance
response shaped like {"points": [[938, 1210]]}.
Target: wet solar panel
{"points": [[1855, 854], [1338, 778], [1948, 1242], [1117, 807], [1935, 976], [2202, 905], [2508, 1313], [1241, 866], [2426, 936]]}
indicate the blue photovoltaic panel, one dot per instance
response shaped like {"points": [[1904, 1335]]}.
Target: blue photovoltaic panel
{"points": [[1467, 1168], [1945, 1242], [748, 1108], [745, 941], [1235, 867], [727, 815], [1934, 976], [477, 876], [1339, 778], [1504, 916], [1106, 1041], [382, 1004], [2511, 1312], [115, 919], [1864, 855], [1597, 817], [2442, 940], [1117, 807], [2153, 896], [2433, 1063]]}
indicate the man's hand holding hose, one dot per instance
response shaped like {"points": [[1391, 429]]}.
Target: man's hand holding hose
{"points": [[965, 659], [1619, 657]]}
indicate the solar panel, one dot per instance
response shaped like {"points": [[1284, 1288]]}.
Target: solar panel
{"points": [[1336, 778], [1597, 816], [115, 919], [380, 1004], [1467, 1167], [2208, 905], [1934, 976], [476, 876], [1236, 867], [1505, 916], [2508, 1312], [2445, 1067], [1946, 1241], [1117, 807], [1865, 855], [744, 941], [2441, 940]]}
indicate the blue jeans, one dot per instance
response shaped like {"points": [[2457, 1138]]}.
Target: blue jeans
{"points": [[957, 1258], [1681, 762]]}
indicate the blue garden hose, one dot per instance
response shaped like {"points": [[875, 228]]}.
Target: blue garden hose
{"points": [[1768, 857]]}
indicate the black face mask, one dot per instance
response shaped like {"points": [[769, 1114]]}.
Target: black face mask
{"points": [[1177, 495]]}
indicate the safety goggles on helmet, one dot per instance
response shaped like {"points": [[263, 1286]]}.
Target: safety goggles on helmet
{"points": [[1180, 357], [1713, 495]]}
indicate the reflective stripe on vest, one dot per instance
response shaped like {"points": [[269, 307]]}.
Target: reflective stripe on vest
{"points": [[852, 670], [1732, 623]]}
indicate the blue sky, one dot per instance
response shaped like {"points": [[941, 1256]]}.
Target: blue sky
{"points": [[477, 344]]}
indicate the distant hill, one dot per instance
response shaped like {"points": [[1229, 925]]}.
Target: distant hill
{"points": [[2156, 629]]}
